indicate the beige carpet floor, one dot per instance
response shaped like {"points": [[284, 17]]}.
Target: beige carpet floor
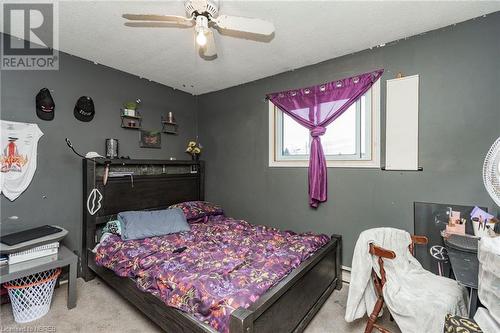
{"points": [[100, 309]]}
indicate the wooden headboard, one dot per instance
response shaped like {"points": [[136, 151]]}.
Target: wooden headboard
{"points": [[155, 184]]}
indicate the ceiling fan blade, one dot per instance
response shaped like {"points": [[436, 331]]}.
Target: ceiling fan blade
{"points": [[248, 25], [154, 25], [179, 20]]}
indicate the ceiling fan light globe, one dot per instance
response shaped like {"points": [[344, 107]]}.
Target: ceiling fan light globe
{"points": [[201, 39]]}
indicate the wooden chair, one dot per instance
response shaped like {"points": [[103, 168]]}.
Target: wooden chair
{"points": [[382, 253]]}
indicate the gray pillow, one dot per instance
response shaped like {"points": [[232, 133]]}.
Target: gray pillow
{"points": [[144, 224]]}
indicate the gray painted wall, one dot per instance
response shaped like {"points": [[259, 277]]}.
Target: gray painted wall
{"points": [[55, 194], [459, 120]]}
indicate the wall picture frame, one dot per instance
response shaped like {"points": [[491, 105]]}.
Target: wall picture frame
{"points": [[150, 139]]}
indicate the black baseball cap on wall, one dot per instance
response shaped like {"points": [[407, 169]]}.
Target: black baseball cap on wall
{"points": [[84, 109], [45, 105]]}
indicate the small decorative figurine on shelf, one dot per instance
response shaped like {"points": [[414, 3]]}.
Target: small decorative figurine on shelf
{"points": [[194, 149]]}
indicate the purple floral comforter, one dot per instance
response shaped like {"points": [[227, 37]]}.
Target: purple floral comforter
{"points": [[227, 263]]}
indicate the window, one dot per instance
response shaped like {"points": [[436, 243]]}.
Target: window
{"points": [[352, 140]]}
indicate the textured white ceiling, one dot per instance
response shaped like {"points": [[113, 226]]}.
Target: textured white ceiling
{"points": [[307, 32]]}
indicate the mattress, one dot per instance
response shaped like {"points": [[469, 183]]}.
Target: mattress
{"points": [[226, 264]]}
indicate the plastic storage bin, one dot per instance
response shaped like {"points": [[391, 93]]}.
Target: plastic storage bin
{"points": [[31, 295]]}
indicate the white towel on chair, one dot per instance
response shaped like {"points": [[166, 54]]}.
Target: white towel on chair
{"points": [[417, 299]]}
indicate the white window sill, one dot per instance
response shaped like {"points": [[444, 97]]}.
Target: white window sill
{"points": [[329, 164]]}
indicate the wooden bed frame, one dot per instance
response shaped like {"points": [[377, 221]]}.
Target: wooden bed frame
{"points": [[287, 307]]}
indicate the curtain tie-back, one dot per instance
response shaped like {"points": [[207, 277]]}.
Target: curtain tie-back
{"points": [[318, 131]]}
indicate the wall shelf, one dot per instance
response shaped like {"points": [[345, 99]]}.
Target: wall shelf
{"points": [[131, 122], [169, 127]]}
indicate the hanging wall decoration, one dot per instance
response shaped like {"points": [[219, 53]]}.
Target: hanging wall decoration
{"points": [[169, 125], [19, 143], [131, 117], [45, 106], [84, 109], [150, 139]]}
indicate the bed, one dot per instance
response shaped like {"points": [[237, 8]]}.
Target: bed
{"points": [[293, 297]]}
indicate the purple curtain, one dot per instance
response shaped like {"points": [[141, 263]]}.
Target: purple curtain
{"points": [[315, 108]]}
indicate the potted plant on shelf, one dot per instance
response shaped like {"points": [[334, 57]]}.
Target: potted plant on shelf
{"points": [[194, 149], [130, 108]]}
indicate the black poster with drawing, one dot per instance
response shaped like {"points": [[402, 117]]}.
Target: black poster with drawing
{"points": [[429, 220]]}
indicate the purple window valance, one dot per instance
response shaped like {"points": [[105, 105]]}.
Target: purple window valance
{"points": [[315, 108]]}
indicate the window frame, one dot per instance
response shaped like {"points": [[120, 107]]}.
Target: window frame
{"points": [[276, 159]]}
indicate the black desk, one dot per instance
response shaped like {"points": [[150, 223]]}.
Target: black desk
{"points": [[465, 267]]}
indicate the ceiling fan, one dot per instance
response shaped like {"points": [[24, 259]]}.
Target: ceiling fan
{"points": [[204, 15]]}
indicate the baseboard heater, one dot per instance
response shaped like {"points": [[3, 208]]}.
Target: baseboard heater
{"points": [[346, 274]]}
